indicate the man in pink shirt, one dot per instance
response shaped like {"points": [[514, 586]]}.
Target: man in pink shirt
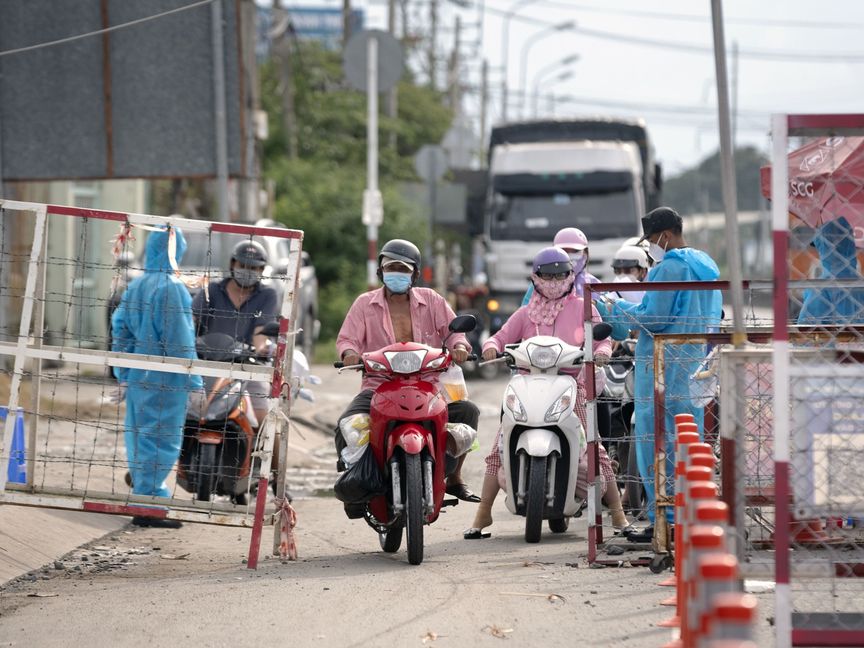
{"points": [[401, 312]]}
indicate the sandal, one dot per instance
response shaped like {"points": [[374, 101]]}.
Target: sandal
{"points": [[475, 534], [462, 492]]}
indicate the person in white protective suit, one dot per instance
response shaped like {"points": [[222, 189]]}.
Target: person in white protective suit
{"points": [[155, 318]]}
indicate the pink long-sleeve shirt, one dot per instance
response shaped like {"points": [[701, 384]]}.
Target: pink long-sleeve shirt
{"points": [[568, 326], [368, 326]]}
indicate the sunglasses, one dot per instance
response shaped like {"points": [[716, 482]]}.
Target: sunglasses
{"points": [[557, 275]]}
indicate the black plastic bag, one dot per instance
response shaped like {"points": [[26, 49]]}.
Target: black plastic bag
{"points": [[361, 482]]}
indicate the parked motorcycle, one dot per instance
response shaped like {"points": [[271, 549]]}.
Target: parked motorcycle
{"points": [[542, 439], [408, 439], [219, 434]]}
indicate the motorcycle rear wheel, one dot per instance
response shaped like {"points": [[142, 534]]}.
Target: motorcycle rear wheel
{"points": [[206, 471], [391, 540], [536, 499], [414, 508]]}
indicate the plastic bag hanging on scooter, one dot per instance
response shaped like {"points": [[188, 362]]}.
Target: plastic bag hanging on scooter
{"points": [[361, 481]]}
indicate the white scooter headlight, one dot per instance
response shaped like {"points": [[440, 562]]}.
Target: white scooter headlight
{"points": [[515, 405], [563, 404], [544, 357]]}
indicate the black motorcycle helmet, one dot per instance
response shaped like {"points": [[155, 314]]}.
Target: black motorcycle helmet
{"points": [[250, 254], [400, 250]]}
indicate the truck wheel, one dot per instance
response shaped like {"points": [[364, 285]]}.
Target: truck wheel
{"points": [[536, 499], [414, 508]]}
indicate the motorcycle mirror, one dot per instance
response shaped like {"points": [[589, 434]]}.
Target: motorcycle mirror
{"points": [[271, 329], [463, 324], [601, 331]]}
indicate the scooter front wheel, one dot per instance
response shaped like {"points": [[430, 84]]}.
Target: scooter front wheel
{"points": [[414, 508], [206, 471], [536, 499]]}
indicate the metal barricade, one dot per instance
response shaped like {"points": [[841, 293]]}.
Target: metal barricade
{"points": [[61, 374]]}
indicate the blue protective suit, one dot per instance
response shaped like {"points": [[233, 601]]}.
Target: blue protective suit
{"points": [[678, 311], [835, 242], [155, 318]]}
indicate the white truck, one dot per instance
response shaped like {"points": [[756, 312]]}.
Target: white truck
{"points": [[595, 174]]}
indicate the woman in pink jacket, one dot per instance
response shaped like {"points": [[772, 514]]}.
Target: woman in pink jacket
{"points": [[556, 309]]}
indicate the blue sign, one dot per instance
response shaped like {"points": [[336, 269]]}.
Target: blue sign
{"points": [[320, 24]]}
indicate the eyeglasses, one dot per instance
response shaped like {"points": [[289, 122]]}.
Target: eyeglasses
{"points": [[627, 270], [556, 276]]}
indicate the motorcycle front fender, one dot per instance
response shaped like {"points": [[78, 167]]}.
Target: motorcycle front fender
{"points": [[411, 438], [539, 442]]}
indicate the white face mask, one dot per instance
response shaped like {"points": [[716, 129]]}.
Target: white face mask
{"points": [[657, 253], [634, 296]]}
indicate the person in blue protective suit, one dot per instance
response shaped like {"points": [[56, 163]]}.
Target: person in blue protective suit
{"points": [[155, 318], [674, 311], [835, 242]]}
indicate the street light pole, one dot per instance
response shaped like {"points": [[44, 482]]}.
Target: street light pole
{"points": [[563, 76], [567, 60], [570, 24], [505, 49]]}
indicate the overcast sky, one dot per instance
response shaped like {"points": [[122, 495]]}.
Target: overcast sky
{"points": [[653, 58]]}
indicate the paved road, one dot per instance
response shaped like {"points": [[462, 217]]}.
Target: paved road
{"points": [[146, 587]]}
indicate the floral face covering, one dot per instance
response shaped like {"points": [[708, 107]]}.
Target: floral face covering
{"points": [[547, 300]]}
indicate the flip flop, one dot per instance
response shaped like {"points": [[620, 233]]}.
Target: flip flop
{"points": [[462, 492], [475, 534]]}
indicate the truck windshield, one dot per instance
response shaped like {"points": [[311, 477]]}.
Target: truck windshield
{"points": [[539, 217]]}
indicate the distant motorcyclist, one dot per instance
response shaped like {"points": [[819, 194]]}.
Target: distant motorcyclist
{"points": [[240, 306]]}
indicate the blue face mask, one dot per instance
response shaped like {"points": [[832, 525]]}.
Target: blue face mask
{"points": [[397, 282]]}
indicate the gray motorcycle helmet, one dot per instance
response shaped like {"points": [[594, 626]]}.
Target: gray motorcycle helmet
{"points": [[250, 254], [400, 250]]}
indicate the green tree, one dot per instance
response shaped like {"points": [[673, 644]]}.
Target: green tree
{"points": [[700, 189], [320, 191]]}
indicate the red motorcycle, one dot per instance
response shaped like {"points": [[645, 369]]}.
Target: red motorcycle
{"points": [[408, 440]]}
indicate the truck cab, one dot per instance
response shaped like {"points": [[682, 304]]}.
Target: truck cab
{"points": [[545, 176]]}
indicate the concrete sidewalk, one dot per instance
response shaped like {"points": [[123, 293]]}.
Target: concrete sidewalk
{"points": [[33, 537]]}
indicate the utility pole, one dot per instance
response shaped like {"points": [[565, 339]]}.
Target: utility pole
{"points": [[453, 71], [286, 70], [734, 91], [346, 22], [484, 104], [433, 37], [392, 95]]}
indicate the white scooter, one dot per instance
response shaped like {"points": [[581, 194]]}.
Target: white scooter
{"points": [[542, 439]]}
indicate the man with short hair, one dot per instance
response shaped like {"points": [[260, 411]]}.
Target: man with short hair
{"points": [[669, 311], [401, 312]]}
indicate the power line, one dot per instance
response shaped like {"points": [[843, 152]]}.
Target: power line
{"points": [[782, 57], [657, 15], [70, 39]]}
